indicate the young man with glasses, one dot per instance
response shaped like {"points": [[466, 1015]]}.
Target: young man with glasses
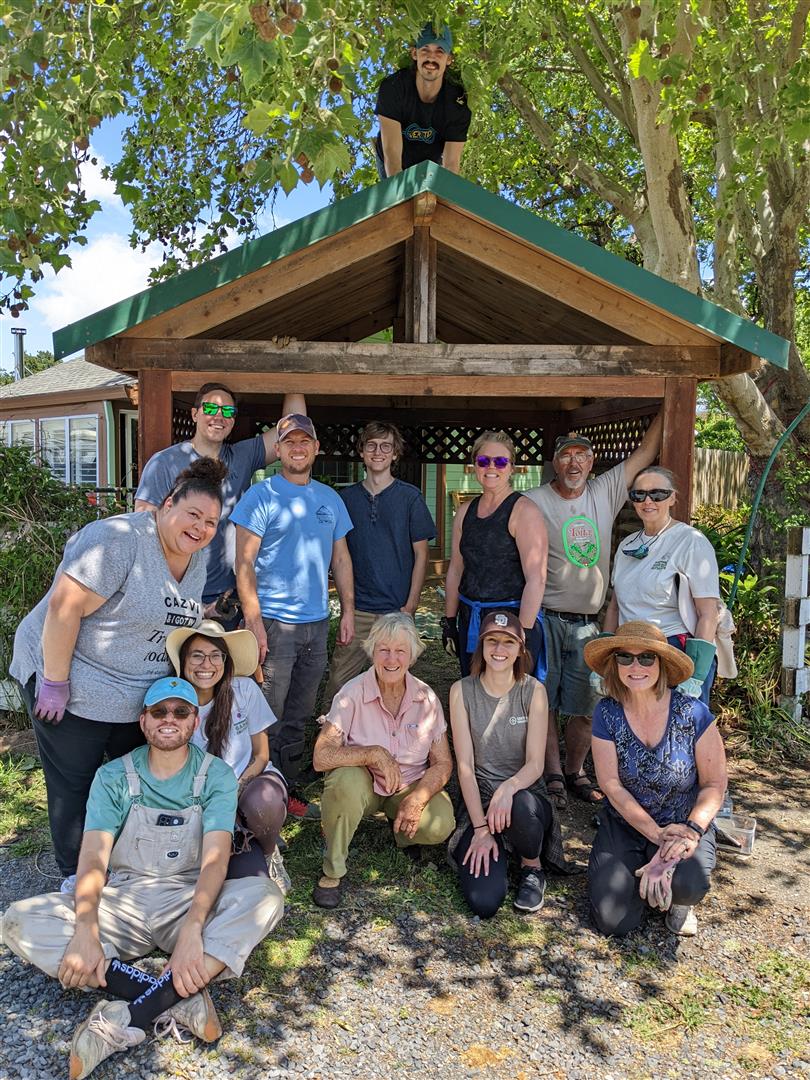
{"points": [[579, 510], [156, 847], [214, 414], [388, 546]]}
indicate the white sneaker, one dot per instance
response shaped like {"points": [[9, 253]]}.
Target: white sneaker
{"points": [[681, 920], [68, 885], [278, 872], [195, 1014], [104, 1032]]}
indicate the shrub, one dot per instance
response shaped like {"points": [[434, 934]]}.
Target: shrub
{"points": [[747, 708], [37, 515]]}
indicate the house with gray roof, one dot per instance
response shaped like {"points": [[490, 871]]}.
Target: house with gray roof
{"points": [[81, 419]]}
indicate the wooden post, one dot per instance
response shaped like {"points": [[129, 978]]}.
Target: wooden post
{"points": [[795, 673], [678, 444], [154, 412], [420, 274]]}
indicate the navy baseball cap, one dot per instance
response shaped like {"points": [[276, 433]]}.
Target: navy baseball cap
{"points": [[171, 687], [427, 36]]}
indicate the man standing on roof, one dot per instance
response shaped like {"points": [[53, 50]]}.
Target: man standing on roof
{"points": [[579, 510], [423, 114], [214, 415]]}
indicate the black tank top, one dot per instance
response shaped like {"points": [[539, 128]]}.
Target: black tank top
{"points": [[492, 569]]}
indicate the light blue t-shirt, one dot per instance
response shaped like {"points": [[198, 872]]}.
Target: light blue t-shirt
{"points": [[109, 801], [298, 524]]}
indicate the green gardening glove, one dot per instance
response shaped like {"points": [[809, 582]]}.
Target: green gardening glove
{"points": [[702, 654]]}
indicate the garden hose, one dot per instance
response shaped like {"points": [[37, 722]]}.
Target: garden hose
{"points": [[758, 498]]}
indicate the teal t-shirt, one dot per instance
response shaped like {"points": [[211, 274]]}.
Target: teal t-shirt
{"points": [[109, 801]]}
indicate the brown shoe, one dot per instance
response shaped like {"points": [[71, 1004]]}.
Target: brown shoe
{"points": [[326, 896]]}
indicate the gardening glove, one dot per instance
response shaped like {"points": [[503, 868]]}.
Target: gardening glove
{"points": [[595, 679], [226, 605], [52, 700], [702, 654], [655, 885], [450, 638]]}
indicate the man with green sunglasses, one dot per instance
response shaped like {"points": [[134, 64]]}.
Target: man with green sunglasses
{"points": [[214, 414]]}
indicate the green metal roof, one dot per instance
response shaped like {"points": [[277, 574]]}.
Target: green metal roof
{"points": [[451, 189]]}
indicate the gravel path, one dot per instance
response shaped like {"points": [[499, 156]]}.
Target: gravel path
{"points": [[405, 988]]}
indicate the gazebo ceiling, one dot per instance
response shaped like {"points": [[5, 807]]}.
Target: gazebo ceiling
{"points": [[502, 276]]}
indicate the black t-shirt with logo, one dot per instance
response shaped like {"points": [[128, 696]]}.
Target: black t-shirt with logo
{"points": [[426, 125]]}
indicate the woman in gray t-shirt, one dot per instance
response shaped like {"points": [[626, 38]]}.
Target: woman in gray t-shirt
{"points": [[86, 654], [499, 715]]}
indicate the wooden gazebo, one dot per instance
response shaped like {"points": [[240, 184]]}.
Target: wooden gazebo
{"points": [[497, 318]]}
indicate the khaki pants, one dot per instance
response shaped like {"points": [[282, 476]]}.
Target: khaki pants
{"points": [[136, 916], [349, 660], [349, 796]]}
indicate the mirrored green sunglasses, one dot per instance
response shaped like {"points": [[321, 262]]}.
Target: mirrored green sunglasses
{"points": [[210, 408]]}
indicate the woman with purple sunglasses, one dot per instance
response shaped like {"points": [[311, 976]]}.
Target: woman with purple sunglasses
{"points": [[666, 574], [498, 558]]}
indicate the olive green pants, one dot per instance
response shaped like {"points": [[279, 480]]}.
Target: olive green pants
{"points": [[349, 796]]}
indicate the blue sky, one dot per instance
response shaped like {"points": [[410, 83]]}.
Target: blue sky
{"points": [[107, 269]]}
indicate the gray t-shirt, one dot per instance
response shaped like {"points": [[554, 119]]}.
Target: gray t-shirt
{"points": [[242, 460], [498, 728], [121, 647], [579, 532]]}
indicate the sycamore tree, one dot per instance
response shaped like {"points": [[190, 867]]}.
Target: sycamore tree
{"points": [[676, 132]]}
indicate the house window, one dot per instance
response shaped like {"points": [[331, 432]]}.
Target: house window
{"points": [[21, 433], [68, 446]]}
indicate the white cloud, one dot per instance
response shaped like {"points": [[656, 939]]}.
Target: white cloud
{"points": [[97, 187], [105, 271]]}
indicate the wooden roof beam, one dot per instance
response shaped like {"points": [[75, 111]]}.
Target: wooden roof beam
{"points": [[327, 358]]}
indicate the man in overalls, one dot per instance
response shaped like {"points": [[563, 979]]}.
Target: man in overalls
{"points": [[160, 822]]}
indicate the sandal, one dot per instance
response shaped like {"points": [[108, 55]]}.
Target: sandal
{"points": [[581, 788], [558, 795]]}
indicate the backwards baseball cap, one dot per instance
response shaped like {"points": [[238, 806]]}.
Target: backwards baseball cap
{"points": [[572, 439], [295, 422], [170, 687], [503, 622], [427, 36]]}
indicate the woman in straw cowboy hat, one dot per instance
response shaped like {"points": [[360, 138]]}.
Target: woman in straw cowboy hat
{"points": [[234, 718], [660, 761]]}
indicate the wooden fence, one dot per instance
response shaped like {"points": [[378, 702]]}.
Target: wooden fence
{"points": [[720, 478]]}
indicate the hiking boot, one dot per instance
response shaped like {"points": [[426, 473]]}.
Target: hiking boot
{"points": [[531, 891], [277, 872], [104, 1032], [195, 1014], [305, 811], [681, 920]]}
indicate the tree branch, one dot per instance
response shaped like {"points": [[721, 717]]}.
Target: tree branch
{"points": [[798, 28], [613, 104], [602, 186], [687, 28]]}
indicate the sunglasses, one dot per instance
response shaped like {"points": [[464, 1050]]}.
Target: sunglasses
{"points": [[484, 462], [179, 712], [210, 408], [656, 494], [217, 659], [625, 659]]}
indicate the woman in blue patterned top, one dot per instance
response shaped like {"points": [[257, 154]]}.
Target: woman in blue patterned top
{"points": [[660, 761]]}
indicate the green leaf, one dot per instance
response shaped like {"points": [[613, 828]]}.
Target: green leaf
{"points": [[288, 176], [332, 157]]}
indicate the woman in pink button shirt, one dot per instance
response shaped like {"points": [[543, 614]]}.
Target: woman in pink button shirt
{"points": [[383, 746]]}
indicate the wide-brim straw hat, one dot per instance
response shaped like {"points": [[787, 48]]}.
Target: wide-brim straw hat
{"points": [[241, 644], [638, 636]]}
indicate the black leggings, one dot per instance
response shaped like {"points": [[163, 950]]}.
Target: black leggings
{"points": [[618, 851], [71, 752], [531, 818]]}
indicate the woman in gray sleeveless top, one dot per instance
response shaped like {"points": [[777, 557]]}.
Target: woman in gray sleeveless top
{"points": [[499, 716]]}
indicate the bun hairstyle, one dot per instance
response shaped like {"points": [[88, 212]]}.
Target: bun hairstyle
{"points": [[203, 477]]}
